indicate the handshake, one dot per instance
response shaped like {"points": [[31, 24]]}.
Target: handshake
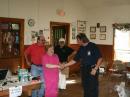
{"points": [[62, 65]]}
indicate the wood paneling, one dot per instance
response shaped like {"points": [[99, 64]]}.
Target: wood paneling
{"points": [[25, 64], [106, 50], [73, 68], [107, 54], [76, 67], [10, 64]]}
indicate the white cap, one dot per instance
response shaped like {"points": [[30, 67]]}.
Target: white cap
{"points": [[62, 39]]}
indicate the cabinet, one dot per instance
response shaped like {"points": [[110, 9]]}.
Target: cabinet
{"points": [[11, 42]]}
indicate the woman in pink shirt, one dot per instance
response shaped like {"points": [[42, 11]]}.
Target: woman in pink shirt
{"points": [[50, 62]]}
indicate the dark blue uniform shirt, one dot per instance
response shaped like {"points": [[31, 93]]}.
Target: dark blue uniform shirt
{"points": [[88, 55]]}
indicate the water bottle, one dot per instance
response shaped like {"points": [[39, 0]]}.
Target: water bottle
{"points": [[19, 73], [26, 75], [29, 77], [22, 75]]}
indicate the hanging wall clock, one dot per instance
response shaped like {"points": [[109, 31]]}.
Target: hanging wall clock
{"points": [[31, 22]]}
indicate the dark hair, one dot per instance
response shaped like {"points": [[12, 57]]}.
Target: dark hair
{"points": [[82, 37], [39, 37]]}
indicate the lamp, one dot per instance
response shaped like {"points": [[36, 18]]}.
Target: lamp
{"points": [[60, 12]]}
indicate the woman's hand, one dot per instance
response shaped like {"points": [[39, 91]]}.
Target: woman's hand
{"points": [[62, 66]]}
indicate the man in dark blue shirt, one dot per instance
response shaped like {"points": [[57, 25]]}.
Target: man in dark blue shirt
{"points": [[90, 58]]}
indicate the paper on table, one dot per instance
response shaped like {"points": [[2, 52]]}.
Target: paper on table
{"points": [[15, 91]]}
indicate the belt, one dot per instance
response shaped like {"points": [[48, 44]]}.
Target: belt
{"points": [[87, 66], [39, 65]]}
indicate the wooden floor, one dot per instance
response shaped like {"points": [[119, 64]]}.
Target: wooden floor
{"points": [[106, 87]]}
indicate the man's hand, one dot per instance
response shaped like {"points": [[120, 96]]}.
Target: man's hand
{"points": [[93, 72], [28, 63], [62, 66]]}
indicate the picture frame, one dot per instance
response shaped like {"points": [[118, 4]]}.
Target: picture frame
{"points": [[102, 29], [73, 35], [93, 29], [40, 32], [81, 26], [92, 36], [102, 36]]}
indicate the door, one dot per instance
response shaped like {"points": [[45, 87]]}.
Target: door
{"points": [[59, 30]]}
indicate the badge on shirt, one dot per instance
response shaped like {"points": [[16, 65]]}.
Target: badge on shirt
{"points": [[89, 53]]}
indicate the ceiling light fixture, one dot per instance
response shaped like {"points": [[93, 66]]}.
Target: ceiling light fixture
{"points": [[60, 12]]}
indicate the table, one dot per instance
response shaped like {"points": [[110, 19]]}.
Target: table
{"points": [[115, 78], [26, 88]]}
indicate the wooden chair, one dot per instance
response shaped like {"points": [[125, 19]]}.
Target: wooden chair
{"points": [[118, 69]]}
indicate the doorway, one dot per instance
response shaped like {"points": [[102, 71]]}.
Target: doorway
{"points": [[122, 45], [59, 30]]}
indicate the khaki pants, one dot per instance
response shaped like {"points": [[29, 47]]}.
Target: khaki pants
{"points": [[65, 71], [63, 74]]}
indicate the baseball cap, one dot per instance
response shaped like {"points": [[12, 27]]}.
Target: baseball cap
{"points": [[61, 39]]}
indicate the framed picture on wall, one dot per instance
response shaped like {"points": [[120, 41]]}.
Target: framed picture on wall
{"points": [[92, 36], [73, 35], [81, 26], [93, 29], [102, 29], [102, 36]]}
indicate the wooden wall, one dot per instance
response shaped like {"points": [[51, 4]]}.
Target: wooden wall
{"points": [[10, 64], [73, 68], [106, 50], [107, 53], [76, 67]]}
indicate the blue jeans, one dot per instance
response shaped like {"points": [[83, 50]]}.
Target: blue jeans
{"points": [[38, 71]]}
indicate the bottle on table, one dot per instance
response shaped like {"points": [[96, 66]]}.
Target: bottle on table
{"points": [[19, 73]]}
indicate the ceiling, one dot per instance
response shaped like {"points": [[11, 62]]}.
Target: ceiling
{"points": [[103, 3]]}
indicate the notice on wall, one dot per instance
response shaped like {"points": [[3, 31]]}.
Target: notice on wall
{"points": [[15, 91]]}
